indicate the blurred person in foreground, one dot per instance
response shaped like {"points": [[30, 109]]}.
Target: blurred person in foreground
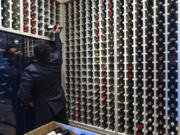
{"points": [[12, 67], [41, 83]]}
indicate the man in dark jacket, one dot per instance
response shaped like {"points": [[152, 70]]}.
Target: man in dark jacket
{"points": [[41, 84]]}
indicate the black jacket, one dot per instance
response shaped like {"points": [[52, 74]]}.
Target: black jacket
{"points": [[41, 83]]}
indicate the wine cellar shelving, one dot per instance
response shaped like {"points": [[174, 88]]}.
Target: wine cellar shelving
{"points": [[121, 60], [122, 66], [29, 17]]}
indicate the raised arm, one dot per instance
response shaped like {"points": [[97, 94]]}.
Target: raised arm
{"points": [[58, 45], [58, 42]]}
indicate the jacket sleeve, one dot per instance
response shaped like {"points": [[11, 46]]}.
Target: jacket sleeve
{"points": [[26, 85], [58, 48]]}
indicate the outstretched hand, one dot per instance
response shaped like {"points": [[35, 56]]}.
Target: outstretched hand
{"points": [[58, 29], [31, 104]]}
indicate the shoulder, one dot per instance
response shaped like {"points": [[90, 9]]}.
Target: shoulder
{"points": [[30, 71], [31, 68]]}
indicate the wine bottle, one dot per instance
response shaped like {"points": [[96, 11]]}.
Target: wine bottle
{"points": [[5, 4], [59, 131], [6, 24], [16, 26], [5, 14]]}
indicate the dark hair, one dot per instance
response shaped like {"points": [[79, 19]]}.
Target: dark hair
{"points": [[7, 53], [42, 50]]}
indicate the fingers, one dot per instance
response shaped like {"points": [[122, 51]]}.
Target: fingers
{"points": [[31, 104], [58, 29], [58, 26]]}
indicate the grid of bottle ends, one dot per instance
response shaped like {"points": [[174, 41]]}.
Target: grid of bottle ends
{"points": [[160, 48], [139, 67], [88, 69], [172, 68], [120, 55], [137, 102], [36, 16]]}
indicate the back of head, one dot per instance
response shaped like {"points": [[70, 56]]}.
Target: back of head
{"points": [[42, 50], [9, 52]]}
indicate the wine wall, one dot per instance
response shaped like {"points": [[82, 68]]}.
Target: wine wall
{"points": [[29, 17], [121, 59]]}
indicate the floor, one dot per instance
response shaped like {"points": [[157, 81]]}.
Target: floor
{"points": [[7, 119]]}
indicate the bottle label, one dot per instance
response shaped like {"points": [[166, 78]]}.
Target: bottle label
{"points": [[52, 133], [59, 134]]}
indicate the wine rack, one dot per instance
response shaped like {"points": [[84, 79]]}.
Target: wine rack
{"points": [[150, 67], [122, 63], [160, 48], [120, 66], [172, 67], [29, 17], [121, 59]]}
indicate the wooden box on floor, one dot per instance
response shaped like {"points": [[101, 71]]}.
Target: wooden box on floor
{"points": [[45, 129]]}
